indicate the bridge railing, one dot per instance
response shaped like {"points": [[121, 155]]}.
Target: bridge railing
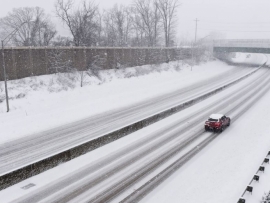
{"points": [[259, 43]]}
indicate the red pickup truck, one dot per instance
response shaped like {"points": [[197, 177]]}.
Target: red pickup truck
{"points": [[217, 122]]}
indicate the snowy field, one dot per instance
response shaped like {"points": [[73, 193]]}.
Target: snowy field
{"points": [[219, 173]]}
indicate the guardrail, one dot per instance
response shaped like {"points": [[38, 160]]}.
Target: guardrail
{"points": [[256, 178]]}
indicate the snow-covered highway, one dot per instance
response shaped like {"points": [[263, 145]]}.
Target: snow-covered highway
{"points": [[146, 157], [22, 152]]}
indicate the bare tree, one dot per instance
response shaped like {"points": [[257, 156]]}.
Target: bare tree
{"points": [[110, 33], [148, 20], [118, 25], [167, 10], [46, 33], [61, 41], [100, 31], [58, 62], [139, 38], [92, 70], [82, 22], [37, 29]]}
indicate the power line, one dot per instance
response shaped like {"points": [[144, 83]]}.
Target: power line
{"points": [[236, 25], [232, 30], [235, 22]]}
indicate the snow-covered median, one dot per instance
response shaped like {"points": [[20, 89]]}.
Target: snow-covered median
{"points": [[44, 102]]}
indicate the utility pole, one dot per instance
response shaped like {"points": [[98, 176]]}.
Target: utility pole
{"points": [[196, 20]]}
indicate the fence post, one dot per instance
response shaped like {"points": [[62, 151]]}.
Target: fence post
{"points": [[14, 63], [31, 61], [85, 60], [73, 58], [46, 60]]}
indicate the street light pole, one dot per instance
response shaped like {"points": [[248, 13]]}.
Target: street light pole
{"points": [[8, 37], [5, 75]]}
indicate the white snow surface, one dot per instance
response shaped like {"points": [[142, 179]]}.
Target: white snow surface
{"points": [[44, 102], [247, 58], [219, 173]]}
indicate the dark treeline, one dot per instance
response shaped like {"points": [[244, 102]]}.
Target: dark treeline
{"points": [[144, 23]]}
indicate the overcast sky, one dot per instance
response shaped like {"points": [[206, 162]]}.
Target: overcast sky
{"points": [[237, 19]]}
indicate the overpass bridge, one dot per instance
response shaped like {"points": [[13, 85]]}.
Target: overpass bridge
{"points": [[247, 46], [223, 49]]}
